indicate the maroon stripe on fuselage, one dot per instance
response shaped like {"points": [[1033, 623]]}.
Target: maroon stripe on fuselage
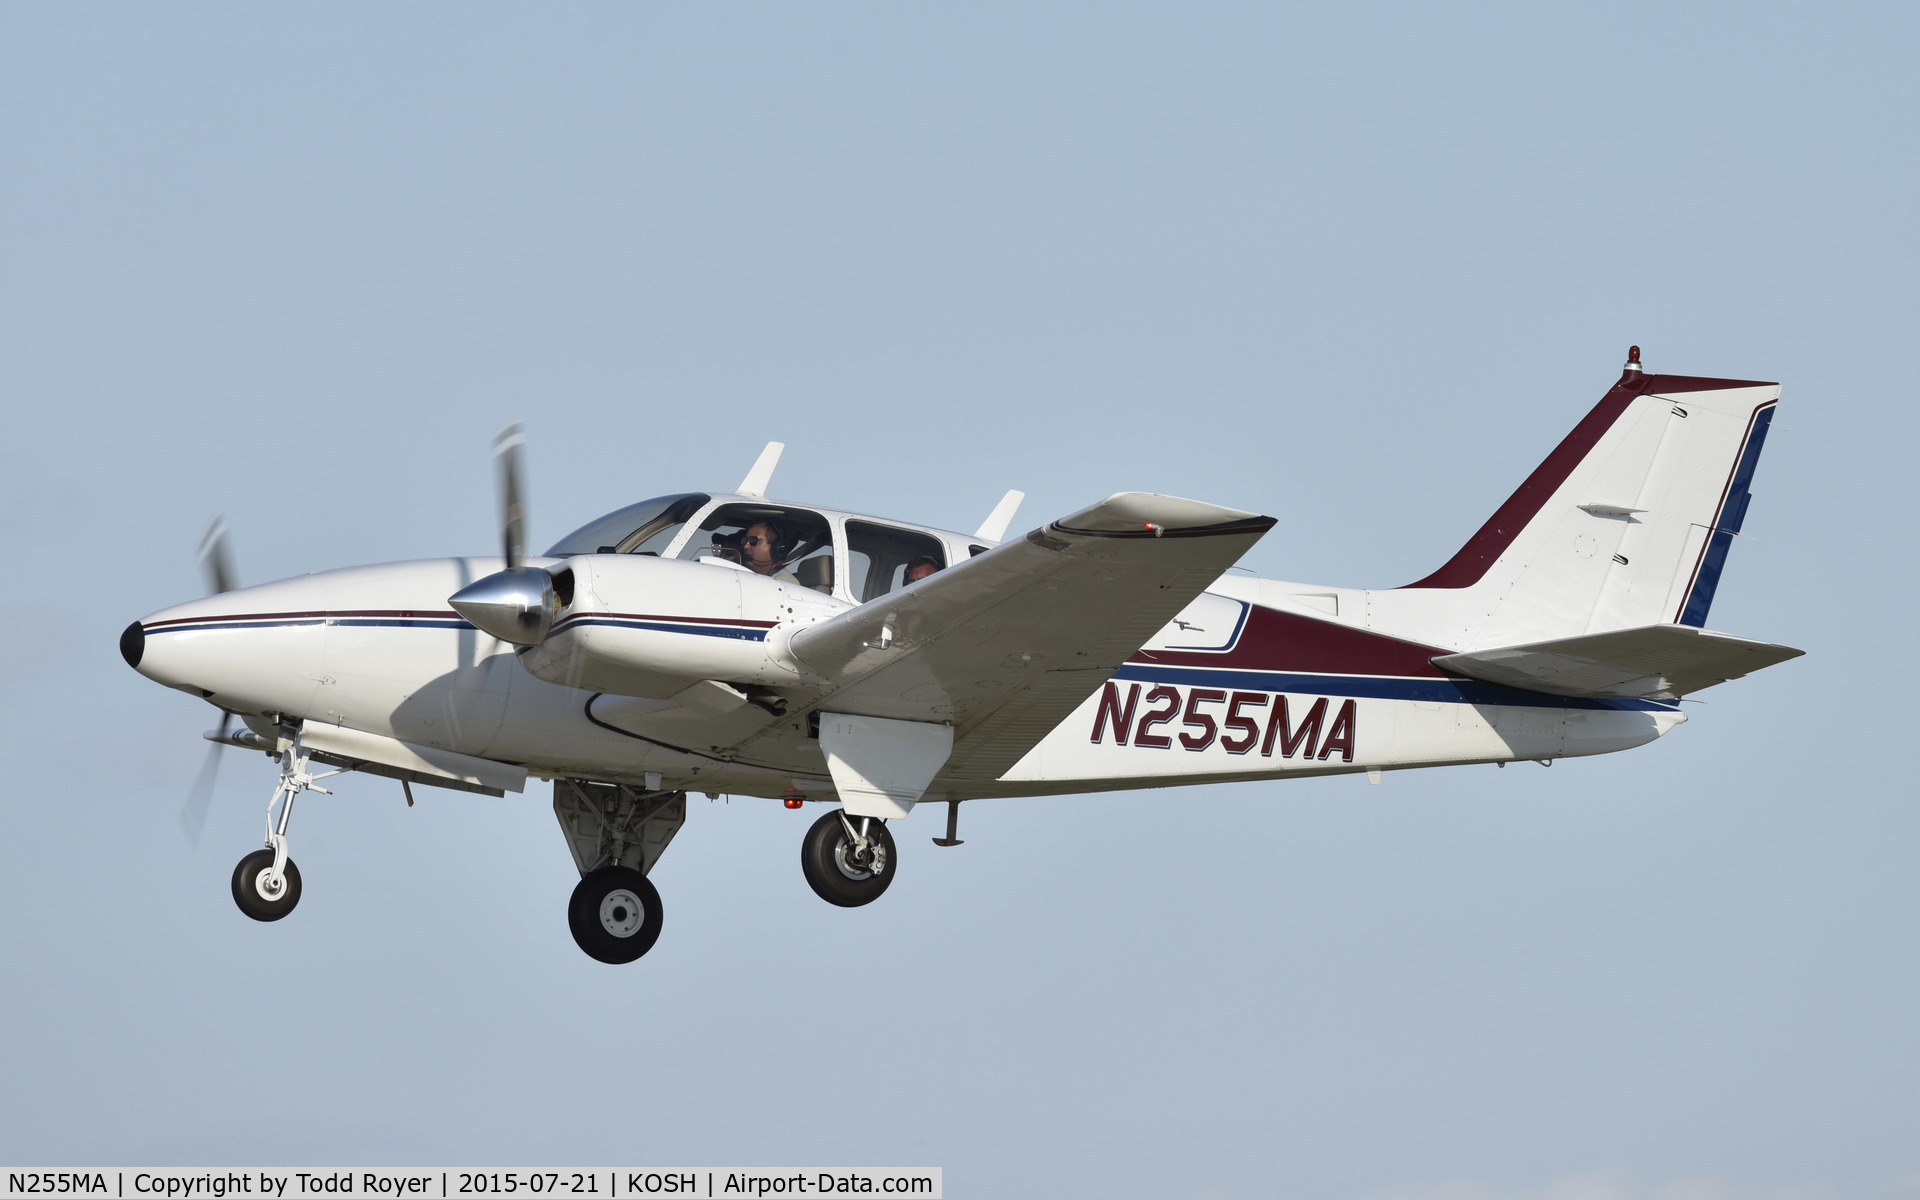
{"points": [[1281, 641], [317, 614], [681, 620]]}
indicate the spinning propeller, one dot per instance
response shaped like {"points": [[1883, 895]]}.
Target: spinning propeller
{"points": [[515, 605], [216, 564], [513, 513], [518, 604]]}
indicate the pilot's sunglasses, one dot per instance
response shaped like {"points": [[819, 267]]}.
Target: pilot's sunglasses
{"points": [[755, 541]]}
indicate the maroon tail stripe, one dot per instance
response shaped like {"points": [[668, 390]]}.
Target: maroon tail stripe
{"points": [[1467, 567]]}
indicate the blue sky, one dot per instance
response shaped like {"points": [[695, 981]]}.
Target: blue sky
{"points": [[1355, 267]]}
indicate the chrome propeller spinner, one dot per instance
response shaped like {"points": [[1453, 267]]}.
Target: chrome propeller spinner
{"points": [[516, 605]]}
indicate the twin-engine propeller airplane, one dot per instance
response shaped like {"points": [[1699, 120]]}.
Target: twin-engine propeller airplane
{"points": [[730, 643]]}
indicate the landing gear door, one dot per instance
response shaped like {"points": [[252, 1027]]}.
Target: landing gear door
{"points": [[608, 824]]}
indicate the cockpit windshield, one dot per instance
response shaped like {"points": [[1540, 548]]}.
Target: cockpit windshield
{"points": [[644, 528]]}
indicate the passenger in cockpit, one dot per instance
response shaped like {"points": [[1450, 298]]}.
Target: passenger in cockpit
{"points": [[921, 567], [762, 544]]}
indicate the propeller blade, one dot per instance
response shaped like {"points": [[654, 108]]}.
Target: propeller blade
{"points": [[216, 561], [193, 814], [513, 513]]}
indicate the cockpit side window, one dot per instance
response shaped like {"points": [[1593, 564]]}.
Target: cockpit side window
{"points": [[791, 544], [644, 528], [882, 559]]}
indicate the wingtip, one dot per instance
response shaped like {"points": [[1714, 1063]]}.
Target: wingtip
{"points": [[1149, 514]]}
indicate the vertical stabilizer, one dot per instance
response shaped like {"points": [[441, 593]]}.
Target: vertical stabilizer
{"points": [[1627, 523]]}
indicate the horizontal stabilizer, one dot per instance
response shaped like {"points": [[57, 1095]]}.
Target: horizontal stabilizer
{"points": [[1653, 662]]}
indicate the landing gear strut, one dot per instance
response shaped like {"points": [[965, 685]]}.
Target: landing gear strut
{"points": [[266, 884], [848, 861]]}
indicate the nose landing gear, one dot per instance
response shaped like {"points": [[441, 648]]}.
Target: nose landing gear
{"points": [[266, 883], [848, 861]]}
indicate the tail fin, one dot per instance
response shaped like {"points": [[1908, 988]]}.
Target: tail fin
{"points": [[1626, 524]]}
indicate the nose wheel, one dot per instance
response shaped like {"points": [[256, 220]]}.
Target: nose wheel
{"points": [[848, 861], [614, 914], [266, 884], [260, 892]]}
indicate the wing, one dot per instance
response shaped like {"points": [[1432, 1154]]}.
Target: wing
{"points": [[1005, 645], [1652, 662]]}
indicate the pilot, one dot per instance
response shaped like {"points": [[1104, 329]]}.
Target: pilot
{"points": [[760, 543], [922, 567]]}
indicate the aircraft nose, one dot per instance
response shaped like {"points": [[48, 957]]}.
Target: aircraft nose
{"points": [[133, 644]]}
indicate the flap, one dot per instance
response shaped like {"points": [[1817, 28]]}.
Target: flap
{"points": [[881, 767], [1005, 645], [1654, 662]]}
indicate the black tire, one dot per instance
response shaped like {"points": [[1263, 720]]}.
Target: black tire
{"points": [[602, 915], [246, 888], [827, 858]]}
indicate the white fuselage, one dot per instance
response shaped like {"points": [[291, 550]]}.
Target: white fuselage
{"points": [[376, 649]]}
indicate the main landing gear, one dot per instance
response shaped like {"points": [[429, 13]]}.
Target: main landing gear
{"points": [[266, 883], [616, 833], [614, 914], [848, 861]]}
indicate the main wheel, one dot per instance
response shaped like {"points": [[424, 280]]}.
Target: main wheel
{"points": [[614, 915], [835, 867], [253, 896]]}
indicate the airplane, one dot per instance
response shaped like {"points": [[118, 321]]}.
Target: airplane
{"points": [[729, 643]]}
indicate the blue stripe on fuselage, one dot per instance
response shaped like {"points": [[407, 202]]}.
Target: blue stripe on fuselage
{"points": [[360, 622], [742, 634], [1376, 687], [721, 631]]}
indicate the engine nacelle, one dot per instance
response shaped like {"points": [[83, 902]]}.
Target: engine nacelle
{"points": [[636, 625]]}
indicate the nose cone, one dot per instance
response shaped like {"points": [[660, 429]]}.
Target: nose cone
{"points": [[230, 644], [516, 606]]}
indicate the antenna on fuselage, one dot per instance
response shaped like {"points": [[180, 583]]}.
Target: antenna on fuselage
{"points": [[995, 526], [755, 484]]}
